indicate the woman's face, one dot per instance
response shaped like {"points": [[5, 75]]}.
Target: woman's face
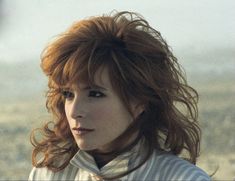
{"points": [[96, 115]]}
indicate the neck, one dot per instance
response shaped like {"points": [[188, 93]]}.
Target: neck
{"points": [[102, 157], [102, 160]]}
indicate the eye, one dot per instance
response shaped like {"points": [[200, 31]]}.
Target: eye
{"points": [[67, 94], [94, 93]]}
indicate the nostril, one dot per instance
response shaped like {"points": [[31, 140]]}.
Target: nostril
{"points": [[74, 116]]}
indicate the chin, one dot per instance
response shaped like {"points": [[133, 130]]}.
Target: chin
{"points": [[85, 146]]}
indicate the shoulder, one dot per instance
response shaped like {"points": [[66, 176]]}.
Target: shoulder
{"points": [[38, 174], [171, 167]]}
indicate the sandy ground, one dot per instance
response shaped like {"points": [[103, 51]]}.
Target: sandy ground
{"points": [[222, 165]]}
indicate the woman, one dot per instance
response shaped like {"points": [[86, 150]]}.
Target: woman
{"points": [[122, 109]]}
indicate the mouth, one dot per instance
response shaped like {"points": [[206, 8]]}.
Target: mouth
{"points": [[82, 131]]}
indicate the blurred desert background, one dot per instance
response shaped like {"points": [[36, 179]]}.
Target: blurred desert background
{"points": [[22, 108], [203, 44]]}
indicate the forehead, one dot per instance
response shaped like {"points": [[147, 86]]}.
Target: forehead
{"points": [[100, 78]]}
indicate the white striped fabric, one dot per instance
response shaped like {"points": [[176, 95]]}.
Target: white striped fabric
{"points": [[159, 166]]}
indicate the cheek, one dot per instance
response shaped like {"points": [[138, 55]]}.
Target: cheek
{"points": [[101, 112], [110, 115], [67, 110], [70, 120]]}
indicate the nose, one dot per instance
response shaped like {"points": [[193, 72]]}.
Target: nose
{"points": [[77, 108]]}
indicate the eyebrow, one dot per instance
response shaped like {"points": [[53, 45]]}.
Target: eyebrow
{"points": [[95, 86], [87, 87]]}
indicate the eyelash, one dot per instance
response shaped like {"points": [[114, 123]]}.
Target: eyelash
{"points": [[92, 93], [67, 94]]}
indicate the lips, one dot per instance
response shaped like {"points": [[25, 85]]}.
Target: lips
{"points": [[82, 131]]}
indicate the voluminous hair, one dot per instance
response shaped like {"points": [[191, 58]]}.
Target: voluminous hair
{"points": [[141, 67]]}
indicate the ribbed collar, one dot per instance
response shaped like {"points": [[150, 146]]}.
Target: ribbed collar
{"points": [[118, 165]]}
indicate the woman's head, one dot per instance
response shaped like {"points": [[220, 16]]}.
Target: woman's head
{"points": [[142, 72], [95, 113]]}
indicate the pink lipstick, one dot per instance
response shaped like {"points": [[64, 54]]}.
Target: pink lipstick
{"points": [[82, 131]]}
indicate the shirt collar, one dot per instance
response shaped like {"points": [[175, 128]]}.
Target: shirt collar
{"points": [[118, 165]]}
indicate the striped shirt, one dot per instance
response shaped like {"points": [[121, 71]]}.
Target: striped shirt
{"points": [[160, 166]]}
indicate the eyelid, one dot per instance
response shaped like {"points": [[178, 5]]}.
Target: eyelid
{"points": [[65, 90], [66, 93], [95, 87], [96, 91]]}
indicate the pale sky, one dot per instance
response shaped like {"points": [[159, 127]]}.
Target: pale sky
{"points": [[189, 26]]}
